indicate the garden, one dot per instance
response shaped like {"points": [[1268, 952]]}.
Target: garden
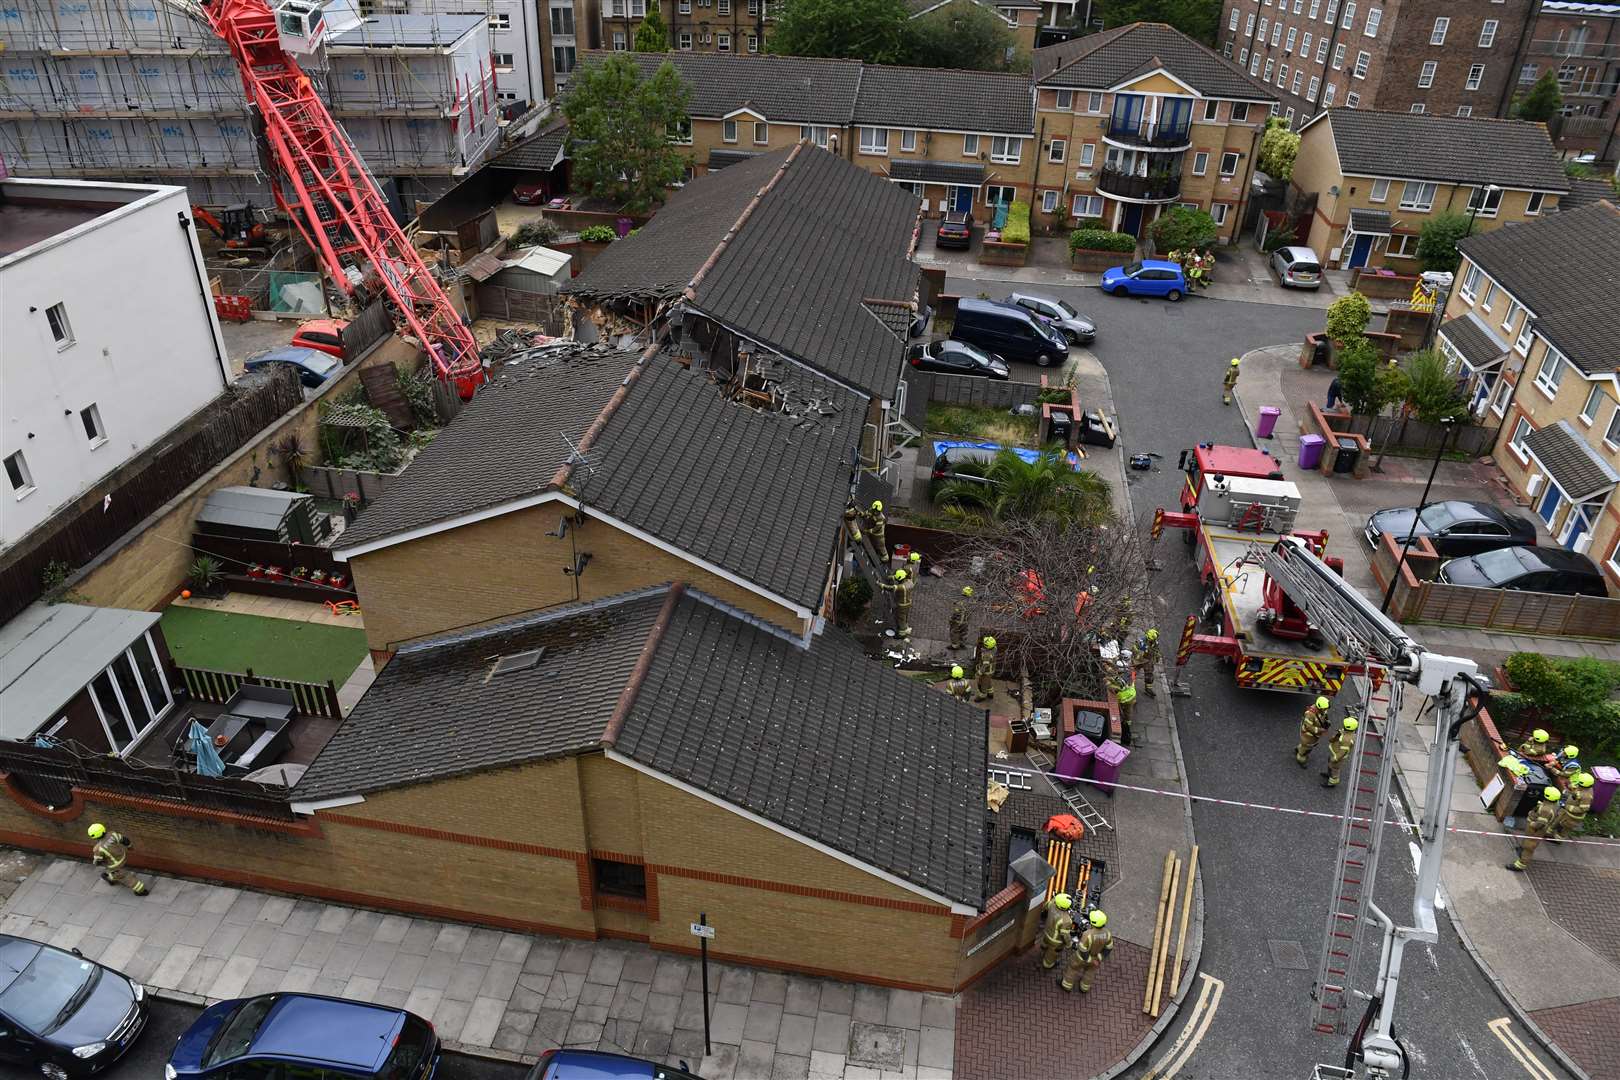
{"points": [[1574, 699], [275, 648]]}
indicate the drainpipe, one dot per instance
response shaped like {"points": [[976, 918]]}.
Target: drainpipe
{"points": [[186, 227]]}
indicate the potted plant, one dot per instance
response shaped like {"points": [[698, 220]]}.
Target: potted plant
{"points": [[204, 575], [338, 581], [318, 577], [256, 570], [300, 573], [274, 573], [351, 506]]}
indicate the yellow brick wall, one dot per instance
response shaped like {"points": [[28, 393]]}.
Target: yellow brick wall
{"points": [[612, 806]]}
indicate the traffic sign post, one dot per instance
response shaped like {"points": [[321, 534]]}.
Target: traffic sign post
{"points": [[703, 932]]}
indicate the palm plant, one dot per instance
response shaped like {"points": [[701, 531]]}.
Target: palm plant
{"points": [[1014, 489]]}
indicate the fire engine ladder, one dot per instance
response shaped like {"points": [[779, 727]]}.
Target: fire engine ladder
{"points": [[1071, 796]]}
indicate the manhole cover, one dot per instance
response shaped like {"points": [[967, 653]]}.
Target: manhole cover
{"points": [[1288, 955], [877, 1046]]}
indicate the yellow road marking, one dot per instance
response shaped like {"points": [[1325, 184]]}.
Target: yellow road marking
{"points": [[1502, 1029], [1192, 1033]]}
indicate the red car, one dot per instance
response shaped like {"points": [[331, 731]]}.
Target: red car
{"points": [[324, 335], [529, 194]]}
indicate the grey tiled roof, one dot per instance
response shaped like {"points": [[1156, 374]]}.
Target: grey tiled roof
{"points": [[1477, 343], [1450, 149], [507, 443], [1101, 61], [940, 99], [783, 89], [759, 494], [666, 253], [437, 710], [719, 159], [540, 152], [1565, 268], [826, 238], [822, 741], [1575, 466], [1585, 193], [1375, 222], [937, 172]]}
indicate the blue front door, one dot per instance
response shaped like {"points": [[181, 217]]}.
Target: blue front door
{"points": [[1132, 222], [961, 199], [1548, 508], [1360, 250], [1575, 528]]}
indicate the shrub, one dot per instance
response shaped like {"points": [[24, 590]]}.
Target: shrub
{"points": [[1016, 230], [1572, 695], [535, 234], [1090, 223], [1437, 241], [1348, 316], [853, 597], [1280, 237], [1101, 240], [1278, 149], [598, 234], [204, 573], [1182, 229]]}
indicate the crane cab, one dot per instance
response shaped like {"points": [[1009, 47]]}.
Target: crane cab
{"points": [[301, 26]]}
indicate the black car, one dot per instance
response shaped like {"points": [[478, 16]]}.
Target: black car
{"points": [[956, 358], [1454, 527], [62, 1015], [1009, 332], [955, 231], [1538, 569]]}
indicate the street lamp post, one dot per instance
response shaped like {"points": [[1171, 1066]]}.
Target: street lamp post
{"points": [[1447, 426]]}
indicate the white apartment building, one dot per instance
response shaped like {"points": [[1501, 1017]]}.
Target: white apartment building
{"points": [[108, 337]]}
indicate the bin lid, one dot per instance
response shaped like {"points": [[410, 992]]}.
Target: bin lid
{"points": [[1348, 443], [1270, 410], [1606, 774], [1080, 744], [1312, 440], [1112, 753]]}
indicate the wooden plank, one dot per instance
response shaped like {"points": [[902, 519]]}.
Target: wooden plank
{"points": [[382, 390]]}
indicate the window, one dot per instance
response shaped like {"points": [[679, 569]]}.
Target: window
{"points": [[970, 145], [562, 21], [1065, 100], [725, 7], [618, 41], [728, 130], [563, 58], [1476, 75], [1190, 206], [506, 95], [1321, 48], [503, 61], [1380, 191], [1282, 74], [1332, 12], [1276, 33], [684, 7], [1511, 315], [1243, 57], [22, 481], [1305, 46], [762, 133], [1465, 110], [1551, 373], [1049, 202], [1329, 92], [628, 880], [1094, 102], [1218, 211], [684, 40], [1349, 16], [753, 7], [1240, 112], [500, 21], [1521, 344], [1516, 443], [1437, 36], [1254, 65], [1310, 91], [1248, 27], [1057, 151], [753, 43], [1374, 17], [638, 9], [814, 133], [1527, 74], [1265, 24], [1402, 246], [1470, 282], [1490, 296], [1293, 36], [874, 140], [682, 135], [90, 417], [61, 329], [1200, 163], [1229, 162], [1499, 396], [1594, 402], [999, 194], [1418, 107], [1417, 195], [1338, 57], [1087, 206], [1316, 6], [1612, 434], [1487, 33], [1352, 99], [1006, 149], [1533, 207], [1487, 202], [1293, 88], [908, 142], [722, 42], [1288, 114], [1363, 59], [1088, 155], [1232, 26], [1426, 76], [1212, 111], [1270, 65]]}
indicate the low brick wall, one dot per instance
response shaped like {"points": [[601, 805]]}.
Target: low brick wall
{"points": [[996, 253], [1332, 427], [1376, 286], [1092, 261]]}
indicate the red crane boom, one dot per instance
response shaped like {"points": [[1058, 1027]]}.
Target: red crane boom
{"points": [[324, 187]]}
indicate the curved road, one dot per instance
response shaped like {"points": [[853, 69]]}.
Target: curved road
{"points": [[1266, 875]]}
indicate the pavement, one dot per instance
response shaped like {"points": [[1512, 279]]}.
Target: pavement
{"points": [[1548, 939]]}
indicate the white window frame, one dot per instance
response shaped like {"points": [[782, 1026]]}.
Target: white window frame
{"points": [[1469, 287], [95, 431], [1490, 205], [1233, 24], [1065, 101], [1349, 16], [1088, 155], [1212, 111], [722, 42], [1200, 163], [762, 133], [1011, 152], [682, 135], [1476, 75], [1352, 100], [908, 140], [56, 318], [1305, 46], [1521, 344], [1487, 33], [1293, 87], [1219, 211], [1363, 62], [1550, 375], [1426, 73], [728, 130], [1094, 102], [753, 43], [1088, 201], [1611, 433], [619, 44], [1418, 195], [1321, 49], [683, 41], [1511, 315], [500, 20], [1521, 429], [1338, 56], [1532, 207], [1592, 404], [1313, 88], [1375, 17], [503, 61], [1437, 35], [1465, 110], [1379, 192], [1240, 112], [1418, 108], [1276, 33], [1271, 65], [814, 133], [1049, 200], [1489, 298], [1329, 92], [1293, 39], [970, 146], [1057, 151], [1233, 154], [1500, 395], [19, 461], [874, 140]]}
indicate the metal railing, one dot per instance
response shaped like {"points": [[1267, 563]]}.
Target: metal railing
{"points": [[1154, 187], [1151, 133]]}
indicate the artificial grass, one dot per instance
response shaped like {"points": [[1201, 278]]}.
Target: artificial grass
{"points": [[277, 648]]}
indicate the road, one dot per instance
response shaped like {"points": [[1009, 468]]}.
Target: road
{"points": [[1266, 875], [151, 1052]]}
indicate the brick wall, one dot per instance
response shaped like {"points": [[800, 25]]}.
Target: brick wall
{"points": [[1409, 48]]}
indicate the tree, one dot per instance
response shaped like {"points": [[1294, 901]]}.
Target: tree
{"points": [[870, 30], [1366, 383], [1278, 149], [1431, 390], [1013, 489], [960, 35], [1198, 19], [650, 35], [1437, 242], [1182, 229], [618, 130], [1348, 316], [1543, 100]]}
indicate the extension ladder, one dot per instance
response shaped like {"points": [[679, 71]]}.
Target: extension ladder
{"points": [[1070, 795]]}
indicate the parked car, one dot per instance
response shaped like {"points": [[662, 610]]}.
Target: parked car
{"points": [[955, 231], [529, 194], [322, 1036], [598, 1065], [1533, 569], [919, 325], [62, 1015], [1149, 277], [313, 366], [325, 335], [1079, 329], [956, 358], [1296, 268], [1009, 332], [1454, 527]]}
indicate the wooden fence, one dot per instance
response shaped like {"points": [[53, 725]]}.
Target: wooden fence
{"points": [[546, 310], [312, 699], [80, 532], [366, 329], [330, 483], [923, 387], [236, 554]]}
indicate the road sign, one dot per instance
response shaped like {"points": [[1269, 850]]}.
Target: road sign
{"points": [[699, 930]]}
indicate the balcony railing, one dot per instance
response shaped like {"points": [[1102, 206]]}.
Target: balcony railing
{"points": [[1158, 187], [1150, 134]]}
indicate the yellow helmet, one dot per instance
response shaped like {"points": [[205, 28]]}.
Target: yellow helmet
{"points": [[989, 642], [967, 590], [1098, 919], [1539, 735], [1153, 635], [1551, 794], [1234, 361], [1583, 779], [956, 671], [1570, 752], [1323, 703], [916, 556], [1350, 723], [97, 831], [1519, 768], [899, 575], [1062, 901], [877, 504]]}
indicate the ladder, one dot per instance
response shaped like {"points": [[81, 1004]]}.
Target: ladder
{"points": [[1366, 778], [1076, 802]]}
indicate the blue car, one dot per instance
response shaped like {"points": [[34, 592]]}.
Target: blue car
{"points": [[598, 1065], [313, 366], [304, 1034], [1150, 277]]}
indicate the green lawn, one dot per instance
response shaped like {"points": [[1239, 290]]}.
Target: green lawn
{"points": [[278, 648]]}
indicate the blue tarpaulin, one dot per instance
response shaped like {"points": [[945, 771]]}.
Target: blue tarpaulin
{"points": [[209, 763], [1031, 456]]}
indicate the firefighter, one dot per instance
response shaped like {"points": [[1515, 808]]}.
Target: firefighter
{"points": [[914, 564], [1125, 694], [1311, 728], [1122, 625], [984, 669], [1539, 825], [1338, 749], [1229, 382], [959, 619], [1535, 747], [1090, 946], [110, 853], [878, 527], [1059, 929], [1147, 658], [900, 592], [959, 686], [1573, 807], [1567, 762], [852, 523]]}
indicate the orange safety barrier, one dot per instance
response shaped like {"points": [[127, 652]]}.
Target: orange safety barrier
{"points": [[234, 308]]}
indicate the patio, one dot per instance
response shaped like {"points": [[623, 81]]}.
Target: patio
{"points": [[164, 747]]}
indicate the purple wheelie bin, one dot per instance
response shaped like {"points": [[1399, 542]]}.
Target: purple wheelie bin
{"points": [[1107, 762], [1607, 779], [1074, 757], [1310, 451]]}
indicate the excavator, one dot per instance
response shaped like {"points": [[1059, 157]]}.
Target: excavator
{"points": [[324, 187], [235, 227]]}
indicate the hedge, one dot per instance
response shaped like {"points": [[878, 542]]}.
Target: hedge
{"points": [[1101, 240], [1016, 230]]}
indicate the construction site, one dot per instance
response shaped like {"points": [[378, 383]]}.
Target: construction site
{"points": [[146, 91]]}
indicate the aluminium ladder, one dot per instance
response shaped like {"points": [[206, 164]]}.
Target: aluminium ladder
{"points": [[1070, 794]]}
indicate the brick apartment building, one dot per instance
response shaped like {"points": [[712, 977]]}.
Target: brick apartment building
{"points": [[1437, 56], [714, 26], [1580, 43]]}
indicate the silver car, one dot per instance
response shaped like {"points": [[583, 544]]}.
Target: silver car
{"points": [[1076, 327], [1296, 268]]}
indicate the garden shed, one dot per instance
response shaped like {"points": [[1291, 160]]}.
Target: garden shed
{"points": [[250, 513]]}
